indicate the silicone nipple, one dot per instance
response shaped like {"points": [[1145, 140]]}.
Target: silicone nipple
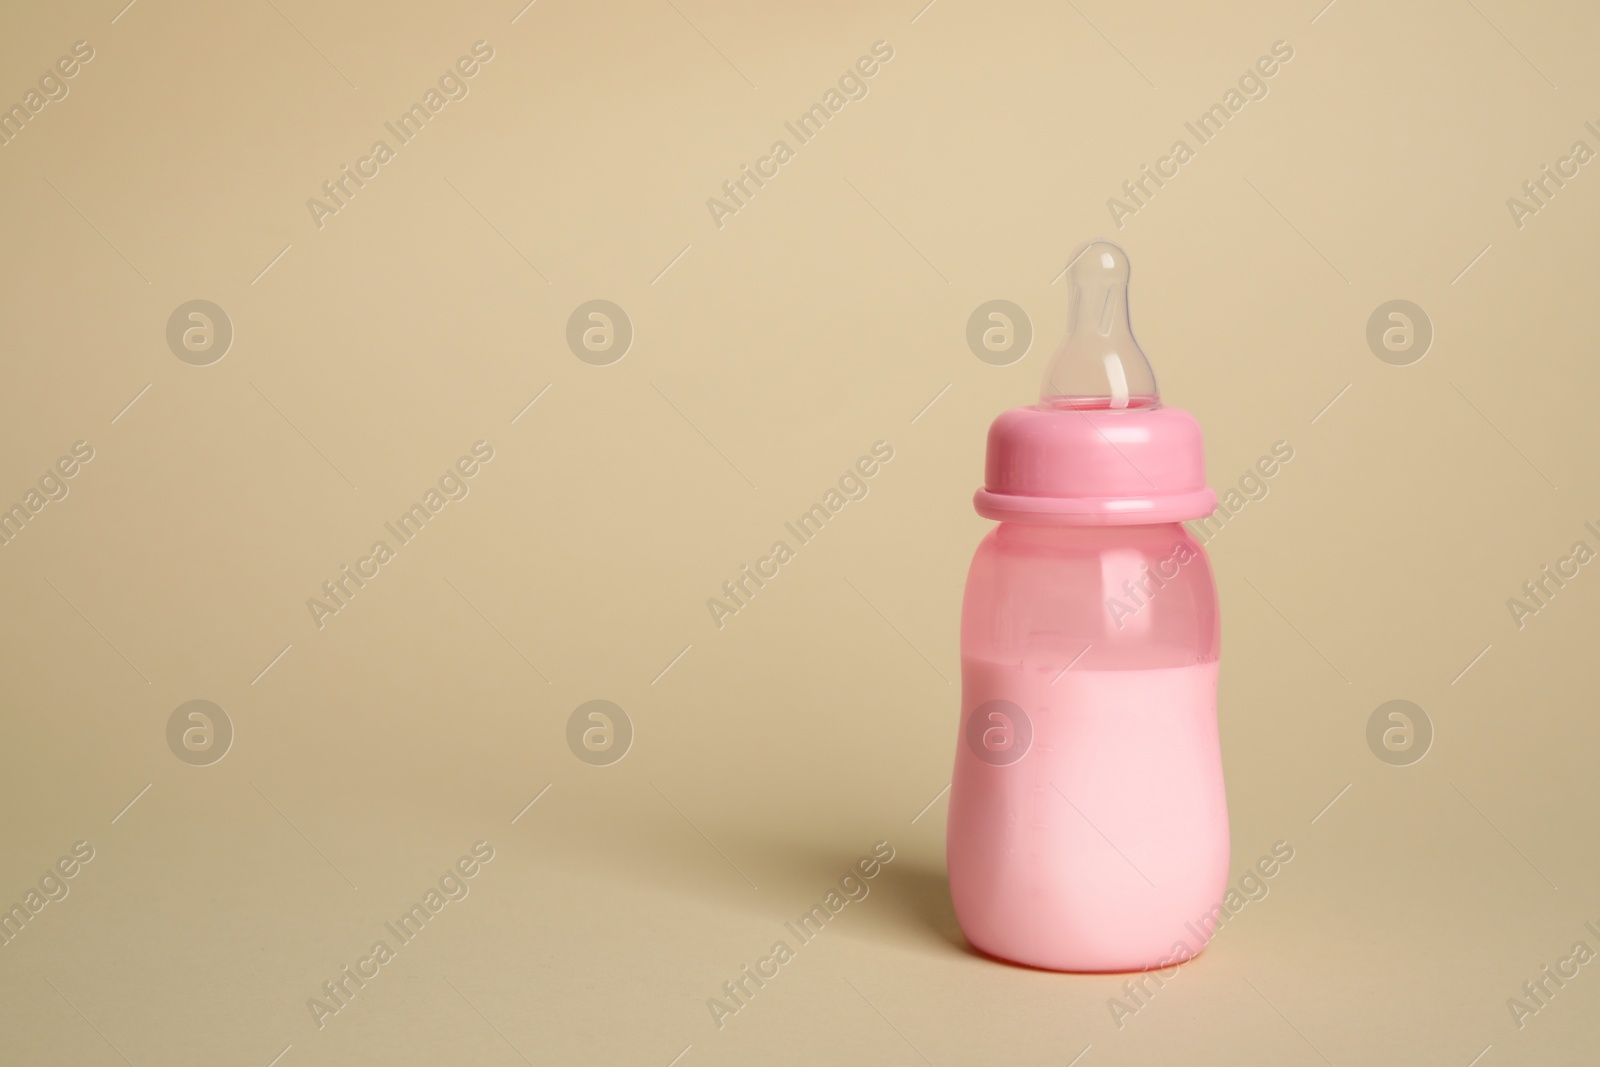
{"points": [[1099, 364]]}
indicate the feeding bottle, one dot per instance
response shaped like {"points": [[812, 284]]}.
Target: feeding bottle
{"points": [[1088, 822]]}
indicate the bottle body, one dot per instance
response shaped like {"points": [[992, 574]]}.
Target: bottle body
{"points": [[1088, 826]]}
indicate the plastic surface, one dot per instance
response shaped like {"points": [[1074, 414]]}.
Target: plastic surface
{"points": [[1088, 826], [1095, 467]]}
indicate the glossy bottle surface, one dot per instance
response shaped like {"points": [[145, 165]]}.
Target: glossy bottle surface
{"points": [[1088, 826]]}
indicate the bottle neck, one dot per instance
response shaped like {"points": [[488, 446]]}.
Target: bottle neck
{"points": [[1024, 533]]}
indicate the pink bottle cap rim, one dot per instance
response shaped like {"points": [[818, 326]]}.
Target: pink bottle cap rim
{"points": [[1095, 467]]}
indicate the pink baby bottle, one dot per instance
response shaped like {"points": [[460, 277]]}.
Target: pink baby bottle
{"points": [[1088, 821]]}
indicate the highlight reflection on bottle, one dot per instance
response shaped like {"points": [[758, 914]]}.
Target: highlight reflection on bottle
{"points": [[1088, 821]]}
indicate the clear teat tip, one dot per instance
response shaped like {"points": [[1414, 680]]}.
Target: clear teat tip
{"points": [[1099, 365]]}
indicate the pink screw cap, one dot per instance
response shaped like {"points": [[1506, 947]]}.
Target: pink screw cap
{"points": [[1099, 449]]}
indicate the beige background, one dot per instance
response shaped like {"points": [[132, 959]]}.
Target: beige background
{"points": [[769, 354]]}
